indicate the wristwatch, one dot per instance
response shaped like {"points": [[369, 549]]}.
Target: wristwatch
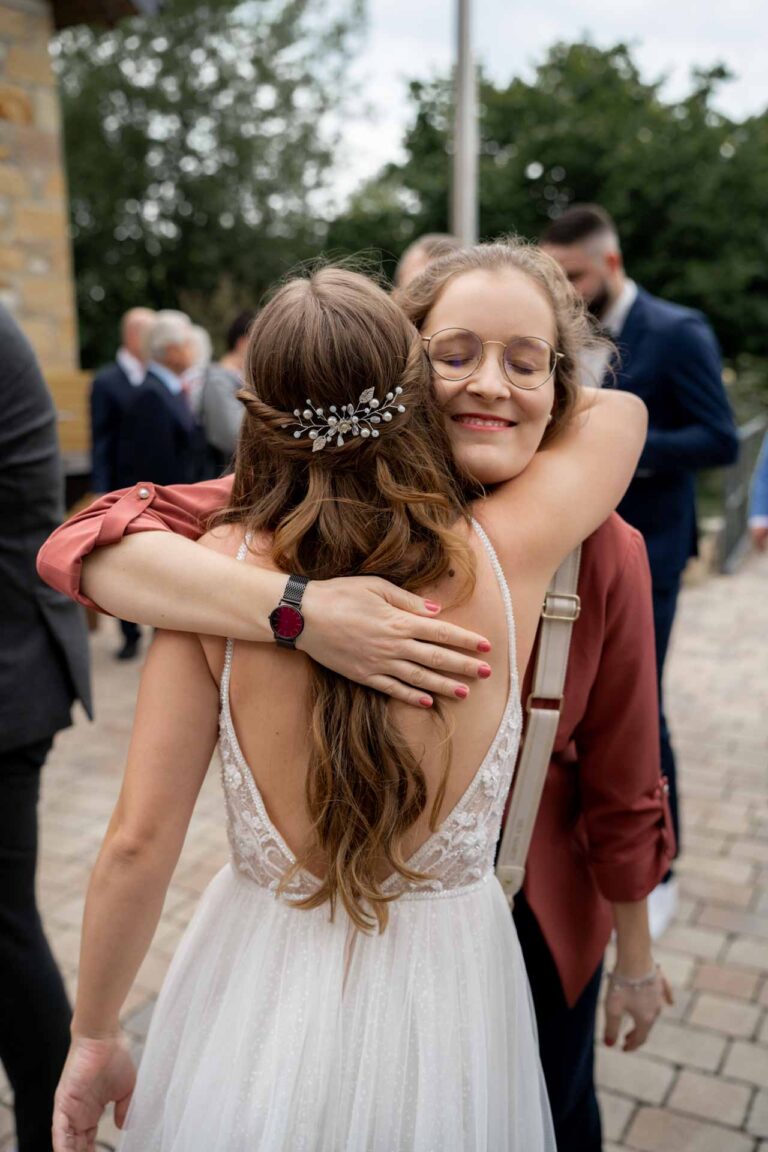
{"points": [[286, 621]]}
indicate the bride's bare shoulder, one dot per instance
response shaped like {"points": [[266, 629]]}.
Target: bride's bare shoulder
{"points": [[227, 539]]}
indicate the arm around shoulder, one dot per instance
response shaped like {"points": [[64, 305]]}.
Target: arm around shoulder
{"points": [[573, 484]]}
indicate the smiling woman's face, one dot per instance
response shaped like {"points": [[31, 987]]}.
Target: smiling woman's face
{"points": [[495, 428]]}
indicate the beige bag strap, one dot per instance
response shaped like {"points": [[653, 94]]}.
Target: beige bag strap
{"points": [[561, 610]]}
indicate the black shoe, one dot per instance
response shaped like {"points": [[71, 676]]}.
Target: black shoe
{"points": [[129, 650]]}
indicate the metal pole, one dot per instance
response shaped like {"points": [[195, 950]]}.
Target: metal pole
{"points": [[464, 199]]}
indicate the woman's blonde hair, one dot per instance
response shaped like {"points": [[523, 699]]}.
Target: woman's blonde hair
{"points": [[387, 506], [574, 333]]}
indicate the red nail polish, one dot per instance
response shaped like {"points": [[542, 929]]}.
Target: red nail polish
{"points": [[425, 702], [431, 606], [461, 692], [484, 671], [483, 646]]}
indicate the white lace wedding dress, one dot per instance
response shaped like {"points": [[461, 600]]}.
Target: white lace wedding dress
{"points": [[278, 1031]]}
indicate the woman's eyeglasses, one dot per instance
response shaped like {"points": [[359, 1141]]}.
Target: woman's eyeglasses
{"points": [[455, 353]]}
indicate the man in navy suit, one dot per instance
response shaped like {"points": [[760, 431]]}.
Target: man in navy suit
{"points": [[669, 357], [43, 671], [112, 391], [159, 435]]}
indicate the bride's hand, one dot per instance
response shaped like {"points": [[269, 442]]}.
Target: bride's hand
{"points": [[96, 1072], [381, 636]]}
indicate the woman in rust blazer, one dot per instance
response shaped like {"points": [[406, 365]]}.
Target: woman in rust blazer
{"points": [[602, 839]]}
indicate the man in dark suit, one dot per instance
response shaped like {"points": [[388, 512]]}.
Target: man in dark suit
{"points": [[112, 391], [669, 357], [43, 670], [159, 438]]}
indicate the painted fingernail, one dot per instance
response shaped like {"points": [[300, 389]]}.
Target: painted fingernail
{"points": [[461, 692], [483, 646], [431, 606], [484, 671], [425, 702]]}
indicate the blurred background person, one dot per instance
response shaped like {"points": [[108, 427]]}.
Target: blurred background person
{"points": [[112, 391], [43, 670], [193, 378], [158, 441], [422, 252], [221, 413], [758, 509], [669, 357], [160, 438]]}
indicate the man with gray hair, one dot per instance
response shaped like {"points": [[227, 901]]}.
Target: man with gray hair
{"points": [[112, 393], [159, 431]]}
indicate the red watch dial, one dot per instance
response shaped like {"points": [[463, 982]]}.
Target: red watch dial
{"points": [[287, 622]]}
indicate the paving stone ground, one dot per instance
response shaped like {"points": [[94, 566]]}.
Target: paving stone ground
{"points": [[701, 1082]]}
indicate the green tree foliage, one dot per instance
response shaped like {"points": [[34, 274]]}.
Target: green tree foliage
{"points": [[686, 185], [196, 140]]}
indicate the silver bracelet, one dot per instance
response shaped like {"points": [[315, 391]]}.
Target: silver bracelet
{"points": [[627, 981]]}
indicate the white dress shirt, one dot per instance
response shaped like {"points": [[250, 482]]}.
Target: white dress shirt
{"points": [[133, 368], [595, 361]]}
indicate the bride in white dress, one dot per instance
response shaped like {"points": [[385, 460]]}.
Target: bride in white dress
{"points": [[352, 981]]}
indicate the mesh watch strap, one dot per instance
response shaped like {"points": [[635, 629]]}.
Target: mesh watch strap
{"points": [[294, 590]]}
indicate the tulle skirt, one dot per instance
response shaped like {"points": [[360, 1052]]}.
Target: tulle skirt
{"points": [[277, 1030]]}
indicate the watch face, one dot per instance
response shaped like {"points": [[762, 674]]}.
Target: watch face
{"points": [[286, 622]]}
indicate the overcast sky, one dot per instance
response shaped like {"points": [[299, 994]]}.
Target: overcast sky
{"points": [[414, 39]]}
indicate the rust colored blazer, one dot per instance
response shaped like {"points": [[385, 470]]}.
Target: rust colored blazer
{"points": [[603, 833]]}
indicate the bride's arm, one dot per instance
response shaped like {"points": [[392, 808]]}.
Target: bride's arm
{"points": [[173, 739], [573, 484], [131, 554]]}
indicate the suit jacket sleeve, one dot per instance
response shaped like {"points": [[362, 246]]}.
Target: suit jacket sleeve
{"points": [[624, 801], [709, 438], [153, 445], [104, 437], [145, 507], [758, 509]]}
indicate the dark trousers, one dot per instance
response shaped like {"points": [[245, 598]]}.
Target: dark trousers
{"points": [[664, 606], [566, 1040], [130, 630], [34, 1011]]}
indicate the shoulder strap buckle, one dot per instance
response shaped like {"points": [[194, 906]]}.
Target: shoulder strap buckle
{"points": [[561, 606]]}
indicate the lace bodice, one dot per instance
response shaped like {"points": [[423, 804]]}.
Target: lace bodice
{"points": [[460, 853]]}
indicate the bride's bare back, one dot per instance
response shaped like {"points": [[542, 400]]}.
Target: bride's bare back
{"points": [[269, 695]]}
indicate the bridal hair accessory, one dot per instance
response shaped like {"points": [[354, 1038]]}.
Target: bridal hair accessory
{"points": [[346, 419]]}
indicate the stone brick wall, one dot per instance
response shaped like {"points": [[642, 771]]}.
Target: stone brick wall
{"points": [[35, 255]]}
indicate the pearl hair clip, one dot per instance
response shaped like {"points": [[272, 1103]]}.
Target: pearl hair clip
{"points": [[346, 419]]}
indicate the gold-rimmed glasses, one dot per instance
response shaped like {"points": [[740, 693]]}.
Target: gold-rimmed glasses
{"points": [[455, 353]]}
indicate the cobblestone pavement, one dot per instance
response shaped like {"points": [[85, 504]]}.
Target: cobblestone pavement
{"points": [[700, 1084]]}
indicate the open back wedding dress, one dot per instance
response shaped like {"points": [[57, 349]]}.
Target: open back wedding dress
{"points": [[278, 1030]]}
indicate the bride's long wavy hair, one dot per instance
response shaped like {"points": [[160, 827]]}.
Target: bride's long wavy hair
{"points": [[387, 506]]}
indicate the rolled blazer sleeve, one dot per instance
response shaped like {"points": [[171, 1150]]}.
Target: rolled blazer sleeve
{"points": [[145, 507], [626, 812]]}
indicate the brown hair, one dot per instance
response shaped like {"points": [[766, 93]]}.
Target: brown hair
{"points": [[574, 333], [387, 506], [579, 223]]}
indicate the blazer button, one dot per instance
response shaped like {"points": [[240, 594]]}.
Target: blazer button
{"points": [[143, 493]]}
